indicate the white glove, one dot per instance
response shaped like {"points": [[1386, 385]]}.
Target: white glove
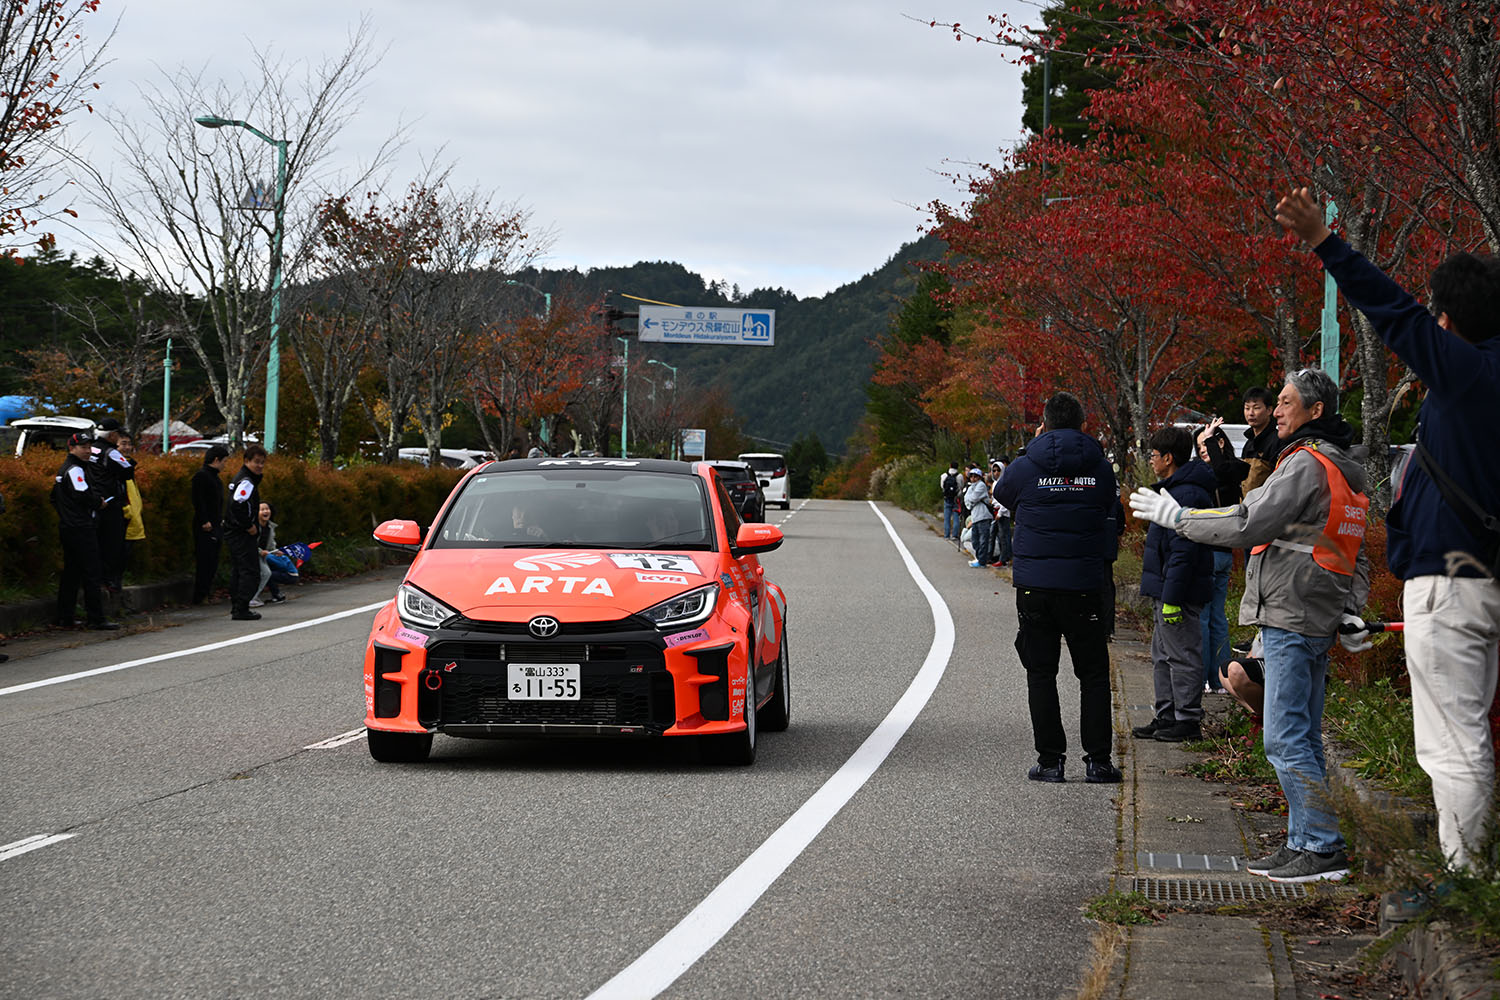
{"points": [[1356, 641], [1159, 508]]}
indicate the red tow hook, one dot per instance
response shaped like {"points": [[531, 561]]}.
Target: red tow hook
{"points": [[432, 680]]}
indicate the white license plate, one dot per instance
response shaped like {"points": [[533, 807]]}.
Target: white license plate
{"points": [[542, 681]]}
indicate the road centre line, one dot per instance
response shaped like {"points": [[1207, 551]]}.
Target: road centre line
{"points": [[210, 647], [661, 965], [28, 844], [337, 741]]}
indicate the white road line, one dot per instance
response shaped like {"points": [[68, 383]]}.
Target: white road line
{"points": [[25, 846], [337, 741], [711, 919], [247, 637]]}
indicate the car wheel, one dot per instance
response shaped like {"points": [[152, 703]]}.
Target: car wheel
{"points": [[786, 505], [398, 748], [778, 711], [737, 748]]}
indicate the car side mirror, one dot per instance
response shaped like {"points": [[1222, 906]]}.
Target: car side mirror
{"points": [[752, 539], [403, 535]]}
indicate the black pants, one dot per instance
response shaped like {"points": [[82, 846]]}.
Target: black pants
{"points": [[206, 552], [111, 524], [244, 569], [1048, 617], [81, 565]]}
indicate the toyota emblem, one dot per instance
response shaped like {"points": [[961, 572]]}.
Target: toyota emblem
{"points": [[543, 627]]}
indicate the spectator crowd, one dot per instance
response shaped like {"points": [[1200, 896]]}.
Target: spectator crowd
{"points": [[1294, 502]]}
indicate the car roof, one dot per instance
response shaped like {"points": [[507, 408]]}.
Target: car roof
{"points": [[602, 464], [761, 454], [39, 423]]}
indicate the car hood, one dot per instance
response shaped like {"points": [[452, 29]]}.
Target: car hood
{"points": [[572, 585]]}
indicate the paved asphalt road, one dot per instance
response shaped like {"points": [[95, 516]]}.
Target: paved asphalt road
{"points": [[213, 855]]}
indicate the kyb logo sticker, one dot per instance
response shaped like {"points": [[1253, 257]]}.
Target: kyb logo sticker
{"points": [[557, 561], [676, 578]]}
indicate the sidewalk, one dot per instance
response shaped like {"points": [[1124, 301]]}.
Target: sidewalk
{"points": [[1183, 845]]}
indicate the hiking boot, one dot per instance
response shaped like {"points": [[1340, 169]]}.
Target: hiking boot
{"points": [[1052, 772], [1101, 772], [1310, 866], [1284, 855], [1147, 731], [1179, 732]]}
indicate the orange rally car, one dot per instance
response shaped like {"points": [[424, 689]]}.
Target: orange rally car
{"points": [[580, 597]]}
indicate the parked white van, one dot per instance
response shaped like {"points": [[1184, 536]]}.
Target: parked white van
{"points": [[770, 469]]}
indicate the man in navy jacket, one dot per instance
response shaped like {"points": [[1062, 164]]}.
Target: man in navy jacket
{"points": [[1451, 597], [1178, 574], [1061, 495]]}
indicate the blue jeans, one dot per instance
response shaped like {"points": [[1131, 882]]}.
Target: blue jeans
{"points": [[981, 540], [1213, 623], [953, 519], [1296, 668], [1002, 539]]}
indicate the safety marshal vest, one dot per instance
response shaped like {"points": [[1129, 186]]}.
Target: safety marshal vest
{"points": [[1338, 547]]}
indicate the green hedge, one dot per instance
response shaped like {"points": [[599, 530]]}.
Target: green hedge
{"points": [[313, 503]]}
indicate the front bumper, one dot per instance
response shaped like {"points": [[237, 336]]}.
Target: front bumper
{"points": [[631, 682]]}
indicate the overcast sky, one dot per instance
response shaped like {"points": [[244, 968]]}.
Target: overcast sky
{"points": [[770, 143]]}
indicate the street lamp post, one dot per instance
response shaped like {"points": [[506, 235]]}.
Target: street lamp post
{"points": [[624, 398], [273, 358], [673, 370]]}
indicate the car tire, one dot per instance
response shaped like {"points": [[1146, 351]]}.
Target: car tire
{"points": [[786, 505], [398, 748], [737, 749], [777, 714]]}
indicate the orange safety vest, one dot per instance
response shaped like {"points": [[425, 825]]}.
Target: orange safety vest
{"points": [[1345, 530]]}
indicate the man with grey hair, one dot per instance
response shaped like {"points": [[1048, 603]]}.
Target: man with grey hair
{"points": [[1306, 576]]}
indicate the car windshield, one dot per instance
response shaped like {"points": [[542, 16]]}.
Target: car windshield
{"points": [[578, 508], [764, 464]]}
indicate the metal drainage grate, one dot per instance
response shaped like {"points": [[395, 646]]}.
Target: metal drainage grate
{"points": [[1205, 890]]}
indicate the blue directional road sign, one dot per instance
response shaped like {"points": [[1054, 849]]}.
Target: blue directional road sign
{"points": [[707, 325]]}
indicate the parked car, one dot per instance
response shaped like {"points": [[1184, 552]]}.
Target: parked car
{"points": [[48, 432], [566, 597], [203, 444], [770, 469], [453, 458], [744, 489]]}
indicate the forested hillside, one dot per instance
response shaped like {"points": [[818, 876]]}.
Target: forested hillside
{"points": [[811, 382]]}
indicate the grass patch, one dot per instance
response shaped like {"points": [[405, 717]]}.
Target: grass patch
{"points": [[1374, 723], [1120, 908]]}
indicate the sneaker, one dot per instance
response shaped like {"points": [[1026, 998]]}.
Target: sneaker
{"points": [[246, 616], [104, 626], [1149, 729], [1284, 855], [1101, 772], [1179, 732], [975, 564], [1207, 688], [1047, 772], [275, 598], [1310, 866], [257, 603]]}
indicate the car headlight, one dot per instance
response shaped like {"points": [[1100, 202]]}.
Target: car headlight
{"points": [[418, 608], [685, 609]]}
